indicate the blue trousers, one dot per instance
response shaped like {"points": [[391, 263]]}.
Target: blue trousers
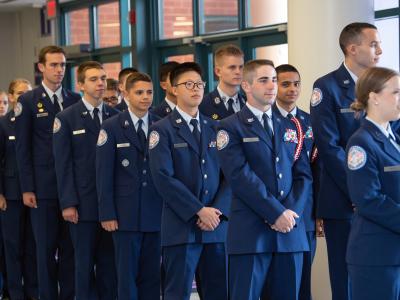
{"points": [[95, 273], [374, 282], [54, 252], [137, 259], [252, 276], [20, 253], [308, 257], [337, 235], [181, 262]]}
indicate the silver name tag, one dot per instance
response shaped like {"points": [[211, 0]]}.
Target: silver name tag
{"points": [[180, 145], [45, 114], [11, 137], [391, 168], [346, 110], [80, 131], [251, 140], [123, 145]]}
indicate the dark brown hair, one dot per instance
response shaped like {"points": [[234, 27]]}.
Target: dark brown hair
{"points": [[83, 67], [136, 77], [351, 34], [49, 49], [252, 65]]}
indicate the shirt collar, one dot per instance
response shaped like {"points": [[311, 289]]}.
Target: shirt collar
{"points": [[51, 93], [170, 103], [258, 113], [353, 76], [90, 107], [225, 97], [386, 131], [284, 112], [186, 116], [135, 119]]}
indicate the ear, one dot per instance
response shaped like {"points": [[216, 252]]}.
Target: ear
{"points": [[80, 86], [246, 86], [163, 85], [175, 91], [352, 49], [41, 67], [217, 71]]}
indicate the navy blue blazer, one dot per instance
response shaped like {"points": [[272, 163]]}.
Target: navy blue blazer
{"points": [[188, 177], [373, 176], [121, 106], [213, 107], [333, 123], [9, 185], [124, 183], [74, 145], [265, 181], [162, 110], [304, 119], [34, 141]]}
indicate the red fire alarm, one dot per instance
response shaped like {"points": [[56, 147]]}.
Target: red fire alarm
{"points": [[51, 9], [132, 17]]}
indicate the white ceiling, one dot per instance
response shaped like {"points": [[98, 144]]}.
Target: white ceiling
{"points": [[13, 5]]}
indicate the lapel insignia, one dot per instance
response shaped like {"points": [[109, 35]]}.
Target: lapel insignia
{"points": [[12, 119], [250, 120], [84, 114], [301, 117], [217, 100], [126, 124], [356, 158], [215, 116], [179, 121], [168, 110], [44, 95], [346, 81], [40, 105]]}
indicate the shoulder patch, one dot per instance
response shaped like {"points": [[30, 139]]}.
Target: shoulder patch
{"points": [[222, 139], [356, 158], [18, 109], [154, 138], [102, 139], [316, 97], [56, 125]]}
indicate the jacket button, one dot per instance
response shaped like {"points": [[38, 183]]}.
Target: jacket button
{"points": [[280, 175], [144, 172], [281, 193], [277, 159], [205, 176], [206, 192], [144, 184], [203, 161]]}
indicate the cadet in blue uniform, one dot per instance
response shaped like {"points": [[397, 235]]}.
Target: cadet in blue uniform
{"points": [[129, 205], [76, 130], [373, 175], [289, 88], [184, 166], [271, 184], [333, 123], [19, 245], [35, 114], [122, 76], [225, 99], [169, 103]]}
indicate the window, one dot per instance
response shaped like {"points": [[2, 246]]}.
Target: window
{"points": [[385, 4], [389, 34], [77, 27], [108, 25], [176, 18], [219, 15], [266, 12], [181, 58], [112, 69]]}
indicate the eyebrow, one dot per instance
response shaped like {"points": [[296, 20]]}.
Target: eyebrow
{"points": [[265, 77]]}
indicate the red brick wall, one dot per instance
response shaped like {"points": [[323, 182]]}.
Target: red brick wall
{"points": [[78, 27], [109, 25]]}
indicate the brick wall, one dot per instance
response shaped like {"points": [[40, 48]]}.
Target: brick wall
{"points": [[109, 25], [78, 27]]}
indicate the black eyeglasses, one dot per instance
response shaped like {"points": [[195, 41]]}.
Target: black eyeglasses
{"points": [[190, 84]]}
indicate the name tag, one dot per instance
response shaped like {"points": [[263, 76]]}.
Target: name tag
{"points": [[123, 145], [391, 168], [180, 145], [251, 140], [11, 137], [346, 110], [45, 114], [80, 131]]}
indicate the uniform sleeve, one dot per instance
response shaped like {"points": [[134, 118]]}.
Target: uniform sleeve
{"points": [[175, 194], [245, 184], [327, 137], [105, 164], [301, 190], [223, 196], [2, 156], [23, 145], [366, 192], [62, 150]]}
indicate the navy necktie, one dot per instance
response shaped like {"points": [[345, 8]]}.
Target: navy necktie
{"points": [[141, 134], [96, 118], [267, 127], [230, 106], [196, 132], [57, 105]]}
